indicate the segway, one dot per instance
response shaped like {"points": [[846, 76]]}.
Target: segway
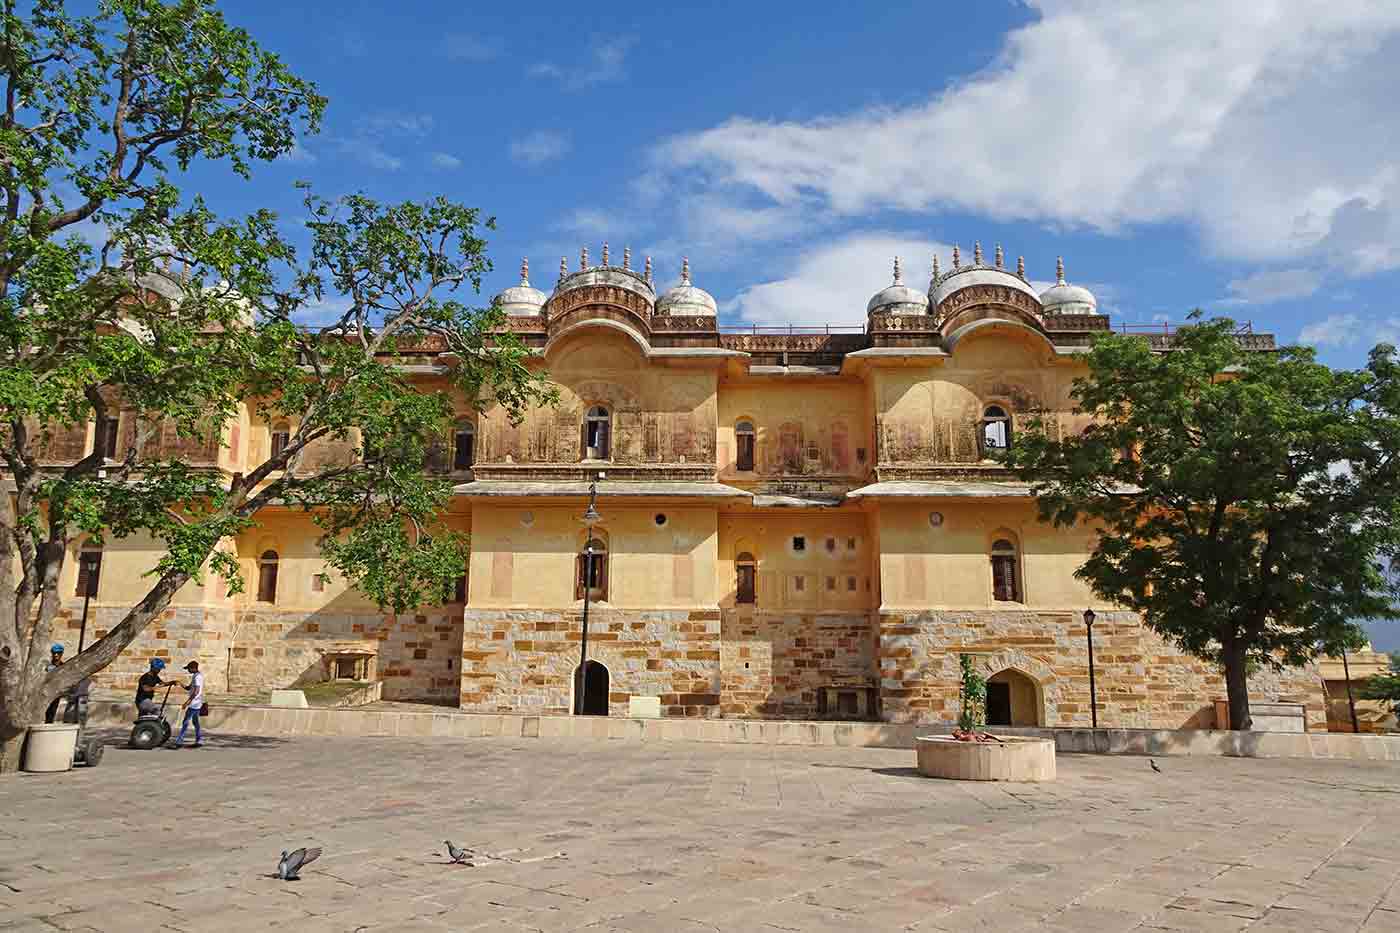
{"points": [[87, 751], [151, 730]]}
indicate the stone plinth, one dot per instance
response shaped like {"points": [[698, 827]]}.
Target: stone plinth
{"points": [[1012, 759], [295, 699]]}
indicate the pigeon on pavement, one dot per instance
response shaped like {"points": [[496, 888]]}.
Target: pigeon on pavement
{"points": [[1154, 766], [459, 856], [289, 868]]}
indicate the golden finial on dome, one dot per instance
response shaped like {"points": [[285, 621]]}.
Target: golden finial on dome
{"points": [[1059, 270], [685, 270], [525, 270], [898, 273]]}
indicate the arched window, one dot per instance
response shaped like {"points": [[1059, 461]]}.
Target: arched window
{"points": [[592, 571], [89, 570], [746, 570], [463, 446], [996, 428], [597, 427], [1006, 582], [744, 438], [267, 577], [105, 436], [281, 437]]}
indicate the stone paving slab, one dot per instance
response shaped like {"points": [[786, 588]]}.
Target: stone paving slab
{"points": [[679, 837]]}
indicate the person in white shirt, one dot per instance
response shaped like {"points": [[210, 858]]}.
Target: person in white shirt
{"points": [[193, 705]]}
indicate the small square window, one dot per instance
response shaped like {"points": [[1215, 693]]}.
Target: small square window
{"points": [[798, 584], [850, 584], [799, 543], [850, 544], [318, 583], [867, 584], [831, 545], [860, 454], [830, 584]]}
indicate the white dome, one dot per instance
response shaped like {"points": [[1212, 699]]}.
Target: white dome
{"points": [[898, 298], [976, 274], [522, 299], [686, 300], [1063, 298]]}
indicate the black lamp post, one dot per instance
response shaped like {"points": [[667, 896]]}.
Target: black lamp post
{"points": [[1093, 692], [87, 562], [590, 518]]}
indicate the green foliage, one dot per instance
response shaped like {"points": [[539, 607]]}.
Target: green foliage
{"points": [[1245, 502], [1385, 686], [105, 111], [972, 697]]}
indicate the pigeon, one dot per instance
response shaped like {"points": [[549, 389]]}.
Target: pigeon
{"points": [[289, 868], [1154, 766], [459, 856]]}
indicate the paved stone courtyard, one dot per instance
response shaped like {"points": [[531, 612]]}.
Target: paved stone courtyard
{"points": [[690, 837]]}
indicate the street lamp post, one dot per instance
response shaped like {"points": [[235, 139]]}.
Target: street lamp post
{"points": [[1093, 692], [590, 518]]}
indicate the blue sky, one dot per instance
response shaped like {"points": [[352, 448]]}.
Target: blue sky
{"points": [[1176, 155], [1238, 157]]}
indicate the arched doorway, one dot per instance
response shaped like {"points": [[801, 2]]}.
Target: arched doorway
{"points": [[1013, 699], [592, 681]]}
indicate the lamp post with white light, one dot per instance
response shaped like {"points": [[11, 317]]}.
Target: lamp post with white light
{"points": [[1093, 693], [590, 518]]}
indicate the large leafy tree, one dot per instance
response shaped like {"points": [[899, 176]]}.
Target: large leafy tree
{"points": [[1245, 501], [102, 114]]}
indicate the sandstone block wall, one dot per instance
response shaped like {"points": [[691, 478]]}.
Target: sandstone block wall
{"points": [[522, 660], [1142, 681], [772, 663], [247, 651]]}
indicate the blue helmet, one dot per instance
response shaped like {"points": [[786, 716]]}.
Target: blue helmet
{"points": [[56, 648], [157, 664]]}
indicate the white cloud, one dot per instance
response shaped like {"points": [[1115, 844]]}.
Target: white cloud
{"points": [[467, 47], [1268, 126], [1274, 285], [298, 154], [606, 61], [445, 160], [374, 133], [833, 282], [1349, 330], [539, 147]]}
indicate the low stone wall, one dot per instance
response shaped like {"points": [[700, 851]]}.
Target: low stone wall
{"points": [[1142, 682], [522, 660], [273, 721]]}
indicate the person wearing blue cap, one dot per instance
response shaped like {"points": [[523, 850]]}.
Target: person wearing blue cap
{"points": [[55, 659], [149, 682]]}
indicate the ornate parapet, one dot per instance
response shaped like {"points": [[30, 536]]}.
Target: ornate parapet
{"points": [[586, 472]]}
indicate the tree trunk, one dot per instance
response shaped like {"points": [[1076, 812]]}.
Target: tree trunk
{"points": [[9, 752], [1237, 688]]}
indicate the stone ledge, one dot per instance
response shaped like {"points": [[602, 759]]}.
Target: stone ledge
{"points": [[1162, 743]]}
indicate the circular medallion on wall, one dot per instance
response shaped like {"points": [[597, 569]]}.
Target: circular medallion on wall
{"points": [[660, 520], [935, 519], [527, 519]]}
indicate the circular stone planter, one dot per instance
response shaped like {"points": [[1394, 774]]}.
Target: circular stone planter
{"points": [[1012, 759], [49, 747]]}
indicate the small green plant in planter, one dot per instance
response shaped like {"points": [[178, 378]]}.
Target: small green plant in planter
{"points": [[973, 697]]}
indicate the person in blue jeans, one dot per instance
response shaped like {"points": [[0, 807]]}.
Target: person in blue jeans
{"points": [[192, 705]]}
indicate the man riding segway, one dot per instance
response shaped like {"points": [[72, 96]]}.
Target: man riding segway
{"points": [[147, 685]]}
